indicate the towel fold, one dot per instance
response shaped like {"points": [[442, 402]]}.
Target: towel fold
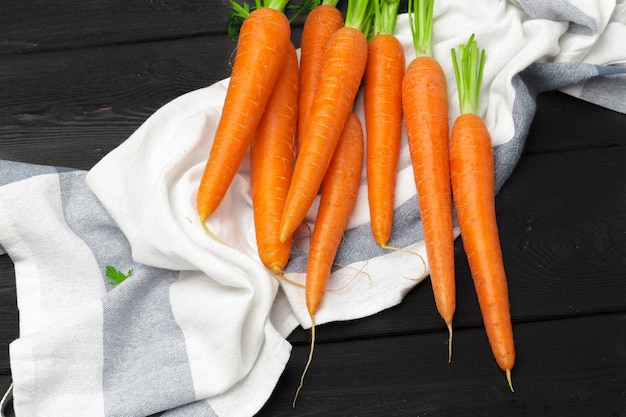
{"points": [[200, 328]]}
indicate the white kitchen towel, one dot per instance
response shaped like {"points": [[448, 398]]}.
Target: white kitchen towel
{"points": [[200, 328]]}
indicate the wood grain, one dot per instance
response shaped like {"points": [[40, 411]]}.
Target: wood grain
{"points": [[79, 77], [404, 376], [37, 25]]}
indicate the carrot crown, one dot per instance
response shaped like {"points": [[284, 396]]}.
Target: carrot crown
{"points": [[359, 15], [272, 4], [468, 71], [421, 24], [239, 12], [385, 16]]}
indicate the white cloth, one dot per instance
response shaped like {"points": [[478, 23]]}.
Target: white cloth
{"points": [[200, 328]]}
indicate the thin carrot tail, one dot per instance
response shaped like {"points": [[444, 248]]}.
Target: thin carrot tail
{"points": [[308, 363], [449, 325], [421, 258], [508, 378], [211, 233]]}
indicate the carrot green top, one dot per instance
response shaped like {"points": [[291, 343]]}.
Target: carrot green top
{"points": [[468, 71], [239, 12], [359, 15], [272, 4], [421, 24], [385, 16]]}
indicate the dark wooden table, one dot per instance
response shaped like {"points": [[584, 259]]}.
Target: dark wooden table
{"points": [[79, 77]]}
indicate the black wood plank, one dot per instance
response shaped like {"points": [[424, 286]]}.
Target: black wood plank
{"points": [[71, 108], [554, 129], [41, 25], [569, 367], [38, 25], [563, 237]]}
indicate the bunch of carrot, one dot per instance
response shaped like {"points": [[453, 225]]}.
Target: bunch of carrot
{"points": [[296, 120]]}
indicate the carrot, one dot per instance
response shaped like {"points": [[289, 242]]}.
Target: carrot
{"points": [[383, 116], [472, 167], [320, 24], [338, 197], [271, 164], [425, 101], [340, 78], [263, 42]]}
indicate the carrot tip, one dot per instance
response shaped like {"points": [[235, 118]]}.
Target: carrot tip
{"points": [[308, 362], [283, 235], [210, 233], [449, 324], [277, 270], [508, 378]]}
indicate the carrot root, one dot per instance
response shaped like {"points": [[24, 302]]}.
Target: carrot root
{"points": [[388, 247], [449, 324], [211, 233], [508, 378], [308, 363]]}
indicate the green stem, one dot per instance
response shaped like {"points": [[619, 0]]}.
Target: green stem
{"points": [[273, 4], [421, 24], [306, 7], [359, 15], [385, 16], [469, 63]]}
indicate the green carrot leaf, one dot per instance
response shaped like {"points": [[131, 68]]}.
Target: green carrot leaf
{"points": [[469, 62], [421, 24], [237, 15], [359, 15], [305, 7], [116, 277], [239, 12], [274, 4], [385, 16]]}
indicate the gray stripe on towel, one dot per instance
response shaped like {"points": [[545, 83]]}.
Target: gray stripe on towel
{"points": [[145, 358]]}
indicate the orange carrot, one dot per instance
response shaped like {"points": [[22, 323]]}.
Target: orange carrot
{"points": [[320, 24], [383, 117], [472, 167], [271, 164], [263, 42], [340, 78], [338, 196], [425, 100]]}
